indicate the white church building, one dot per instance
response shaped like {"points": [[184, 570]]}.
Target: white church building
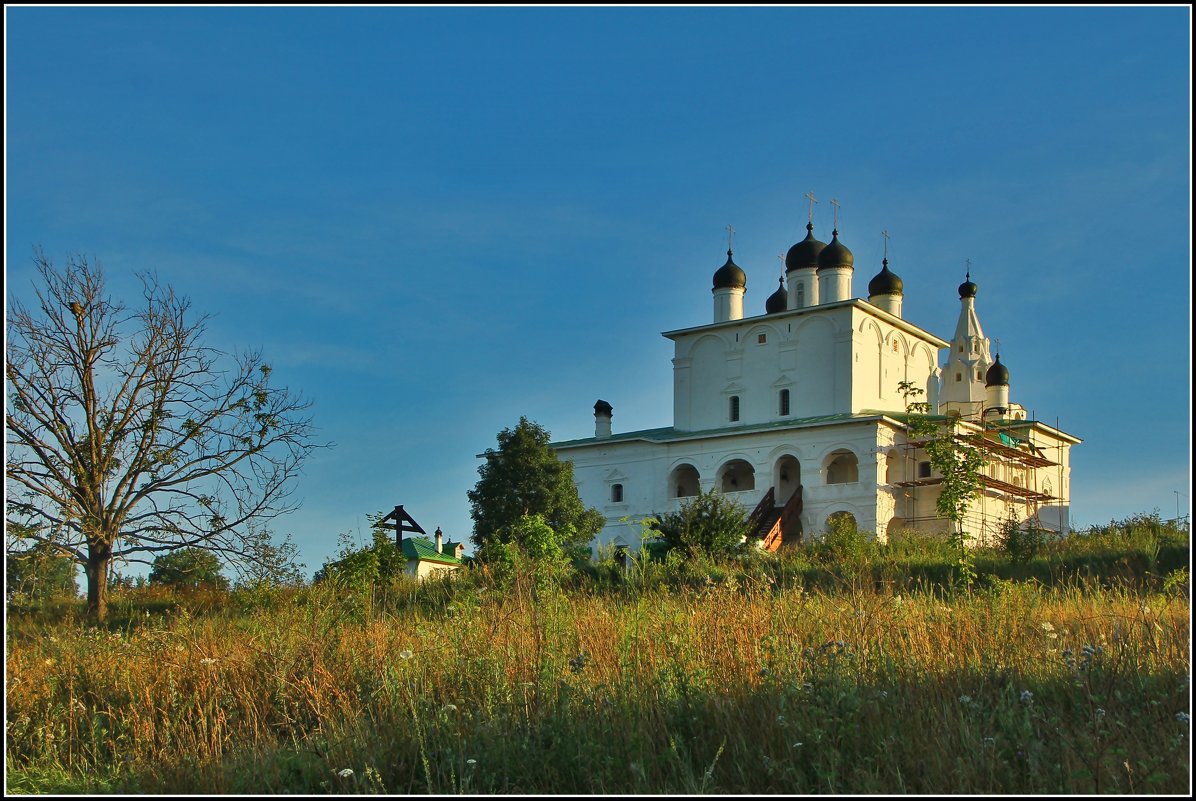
{"points": [[796, 413]]}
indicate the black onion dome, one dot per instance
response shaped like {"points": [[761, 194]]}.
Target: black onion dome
{"points": [[997, 375], [967, 289], [778, 301], [804, 253], [885, 282], [602, 407], [835, 254], [730, 276]]}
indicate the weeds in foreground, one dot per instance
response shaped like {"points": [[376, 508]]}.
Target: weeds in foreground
{"points": [[747, 684]]}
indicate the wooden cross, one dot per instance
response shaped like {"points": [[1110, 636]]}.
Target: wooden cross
{"points": [[730, 237], [835, 203], [402, 522], [810, 195]]}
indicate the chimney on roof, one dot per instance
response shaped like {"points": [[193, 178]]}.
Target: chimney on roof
{"points": [[602, 414], [439, 541]]}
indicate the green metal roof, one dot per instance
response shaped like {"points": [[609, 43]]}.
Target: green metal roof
{"points": [[425, 551], [670, 434]]}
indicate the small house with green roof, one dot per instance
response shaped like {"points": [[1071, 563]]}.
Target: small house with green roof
{"points": [[425, 557]]}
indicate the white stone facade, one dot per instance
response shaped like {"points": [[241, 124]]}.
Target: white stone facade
{"points": [[807, 400]]}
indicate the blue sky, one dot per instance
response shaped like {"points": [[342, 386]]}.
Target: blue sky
{"points": [[434, 221]]}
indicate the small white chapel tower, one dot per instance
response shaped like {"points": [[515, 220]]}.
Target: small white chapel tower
{"points": [[963, 389]]}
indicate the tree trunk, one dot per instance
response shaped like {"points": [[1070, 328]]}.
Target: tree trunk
{"points": [[99, 556]]}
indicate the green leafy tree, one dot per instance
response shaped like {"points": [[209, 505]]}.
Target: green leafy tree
{"points": [[188, 568], [128, 437], [522, 478], [709, 523], [271, 563], [38, 572], [361, 568], [959, 464]]}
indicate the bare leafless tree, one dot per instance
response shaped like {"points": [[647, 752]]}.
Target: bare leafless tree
{"points": [[128, 436]]}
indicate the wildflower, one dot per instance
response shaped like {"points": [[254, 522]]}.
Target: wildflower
{"points": [[965, 699], [405, 654], [1088, 651], [797, 745], [1046, 626], [1100, 713], [1027, 696], [578, 662], [449, 708], [471, 762], [49, 662], [989, 741], [781, 719], [1182, 717], [884, 694], [207, 661], [346, 773]]}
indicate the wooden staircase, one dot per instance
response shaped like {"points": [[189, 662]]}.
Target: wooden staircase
{"points": [[768, 522]]}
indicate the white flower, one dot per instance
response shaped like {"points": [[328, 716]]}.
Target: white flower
{"points": [[346, 773], [965, 699], [448, 708], [1182, 717], [1046, 626], [1100, 713], [471, 762], [781, 719], [405, 654], [989, 741], [1027, 696], [207, 661]]}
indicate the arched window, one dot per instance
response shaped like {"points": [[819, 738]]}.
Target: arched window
{"points": [[784, 403], [684, 481], [843, 468], [801, 294], [734, 413], [959, 376], [737, 476], [616, 493]]}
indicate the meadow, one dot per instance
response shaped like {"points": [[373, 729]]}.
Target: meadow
{"points": [[842, 668]]}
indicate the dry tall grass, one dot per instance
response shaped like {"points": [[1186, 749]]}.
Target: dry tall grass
{"points": [[741, 687]]}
